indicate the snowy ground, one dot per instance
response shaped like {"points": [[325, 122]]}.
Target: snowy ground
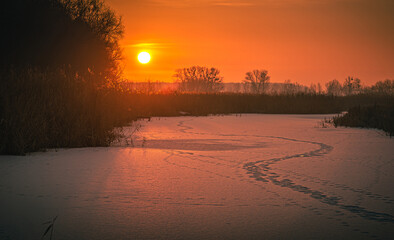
{"points": [[219, 177]]}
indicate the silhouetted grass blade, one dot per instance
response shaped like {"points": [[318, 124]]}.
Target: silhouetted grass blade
{"points": [[50, 227]]}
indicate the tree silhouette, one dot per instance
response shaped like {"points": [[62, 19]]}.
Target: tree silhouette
{"points": [[384, 87], [57, 59], [351, 85], [199, 79], [289, 88], [258, 80], [103, 22], [80, 34], [334, 88]]}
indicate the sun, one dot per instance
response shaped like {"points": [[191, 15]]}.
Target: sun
{"points": [[144, 57]]}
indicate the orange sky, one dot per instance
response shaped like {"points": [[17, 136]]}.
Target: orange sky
{"points": [[306, 41]]}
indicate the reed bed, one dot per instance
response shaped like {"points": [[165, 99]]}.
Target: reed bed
{"points": [[41, 109]]}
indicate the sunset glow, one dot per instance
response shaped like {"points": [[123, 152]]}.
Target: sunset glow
{"points": [[304, 41], [197, 119], [144, 57]]}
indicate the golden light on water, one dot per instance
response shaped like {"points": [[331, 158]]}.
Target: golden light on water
{"points": [[143, 57]]}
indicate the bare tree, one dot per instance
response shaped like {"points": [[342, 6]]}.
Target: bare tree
{"points": [[258, 80], [334, 88], [351, 85], [289, 88], [313, 88], [319, 88], [384, 87], [199, 79]]}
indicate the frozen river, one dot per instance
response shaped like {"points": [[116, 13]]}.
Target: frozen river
{"points": [[215, 177]]}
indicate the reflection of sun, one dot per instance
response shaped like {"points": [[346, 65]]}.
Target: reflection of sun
{"points": [[143, 57]]}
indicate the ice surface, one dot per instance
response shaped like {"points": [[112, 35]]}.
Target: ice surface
{"points": [[215, 177]]}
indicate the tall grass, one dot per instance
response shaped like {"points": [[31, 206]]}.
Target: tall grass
{"points": [[55, 108], [174, 104], [42, 109], [374, 116]]}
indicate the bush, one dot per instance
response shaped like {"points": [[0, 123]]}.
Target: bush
{"points": [[375, 116]]}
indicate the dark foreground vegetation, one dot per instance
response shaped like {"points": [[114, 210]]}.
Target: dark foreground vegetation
{"points": [[60, 74], [146, 105], [374, 116], [54, 108], [59, 68]]}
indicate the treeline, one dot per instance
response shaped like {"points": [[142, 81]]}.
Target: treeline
{"points": [[353, 86], [385, 87], [199, 79]]}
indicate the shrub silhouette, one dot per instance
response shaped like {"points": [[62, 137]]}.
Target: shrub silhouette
{"points": [[380, 116]]}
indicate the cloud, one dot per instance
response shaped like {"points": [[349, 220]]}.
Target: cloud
{"points": [[148, 45], [192, 3], [244, 3], [232, 4]]}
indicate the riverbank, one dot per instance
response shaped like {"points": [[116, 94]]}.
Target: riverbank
{"points": [[60, 119], [190, 178], [375, 116]]}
